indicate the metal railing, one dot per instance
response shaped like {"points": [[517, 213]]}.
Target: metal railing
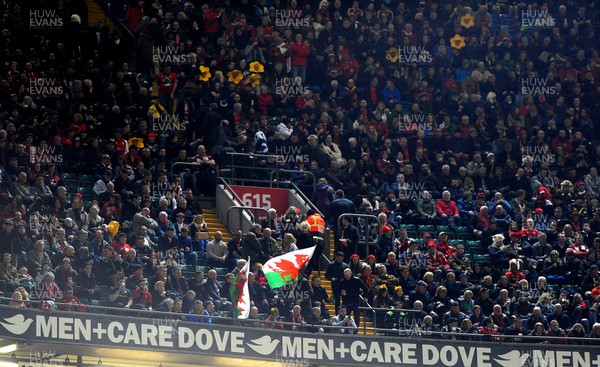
{"points": [[242, 208], [224, 318], [278, 172], [374, 310], [249, 210], [131, 41], [307, 201]]}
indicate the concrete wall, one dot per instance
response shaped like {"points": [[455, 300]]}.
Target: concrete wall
{"points": [[232, 221]]}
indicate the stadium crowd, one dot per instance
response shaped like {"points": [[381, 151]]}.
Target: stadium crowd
{"points": [[485, 186]]}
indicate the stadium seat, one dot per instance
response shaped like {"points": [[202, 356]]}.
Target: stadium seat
{"points": [[426, 228], [446, 229], [203, 268], [463, 233], [221, 271], [477, 250], [86, 193], [471, 244], [72, 187], [456, 242], [411, 230], [86, 180], [187, 270], [69, 177], [481, 258]]}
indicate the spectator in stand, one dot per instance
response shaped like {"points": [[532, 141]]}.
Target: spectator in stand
{"points": [[344, 321], [300, 52], [447, 211]]}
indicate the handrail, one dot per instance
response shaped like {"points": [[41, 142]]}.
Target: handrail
{"points": [[281, 170], [238, 199], [230, 190], [242, 207], [302, 196], [353, 215], [132, 39], [251, 156], [306, 199], [375, 309], [388, 309]]}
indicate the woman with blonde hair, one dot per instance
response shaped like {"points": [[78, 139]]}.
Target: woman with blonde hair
{"points": [[545, 304], [289, 243], [17, 300], [94, 217], [198, 225], [291, 220], [158, 293], [272, 321]]}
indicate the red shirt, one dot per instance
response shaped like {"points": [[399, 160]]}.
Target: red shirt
{"points": [[264, 101], [211, 20], [434, 261], [446, 207], [300, 53], [166, 83], [139, 298]]}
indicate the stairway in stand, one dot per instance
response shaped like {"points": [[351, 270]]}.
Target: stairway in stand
{"points": [[96, 14], [330, 306], [214, 224]]}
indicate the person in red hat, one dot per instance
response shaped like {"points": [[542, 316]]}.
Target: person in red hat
{"points": [[572, 266], [371, 262], [355, 264], [540, 219], [436, 261], [385, 244]]}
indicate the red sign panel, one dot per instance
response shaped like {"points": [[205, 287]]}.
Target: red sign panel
{"points": [[263, 197]]}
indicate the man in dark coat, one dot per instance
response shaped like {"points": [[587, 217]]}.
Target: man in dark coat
{"points": [[251, 246], [350, 288]]}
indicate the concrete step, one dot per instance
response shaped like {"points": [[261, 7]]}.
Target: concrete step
{"points": [[96, 14]]}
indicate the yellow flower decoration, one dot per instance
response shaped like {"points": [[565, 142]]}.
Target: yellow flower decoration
{"points": [[467, 20], [253, 79], [457, 42], [136, 142], [204, 73], [392, 54], [256, 67], [235, 76]]}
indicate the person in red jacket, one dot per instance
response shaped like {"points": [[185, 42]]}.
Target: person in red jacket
{"points": [[167, 82], [265, 101], [447, 210], [436, 261], [300, 52], [211, 21], [133, 16]]}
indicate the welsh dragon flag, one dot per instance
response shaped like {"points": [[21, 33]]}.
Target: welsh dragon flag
{"points": [[239, 293], [287, 268]]}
